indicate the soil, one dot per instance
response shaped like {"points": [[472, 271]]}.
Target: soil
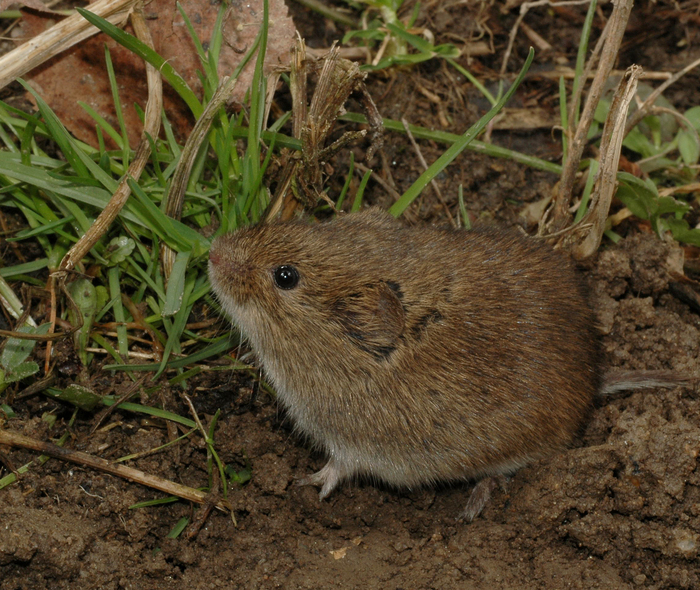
{"points": [[619, 510]]}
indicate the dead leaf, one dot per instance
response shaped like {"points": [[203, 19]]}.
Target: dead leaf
{"points": [[523, 119], [80, 73], [339, 553], [34, 4]]}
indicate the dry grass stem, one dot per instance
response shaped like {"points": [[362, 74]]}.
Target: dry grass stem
{"points": [[60, 37], [298, 80], [143, 151], [535, 38], [14, 439], [683, 190], [569, 74], [121, 195], [302, 176], [610, 148], [351, 53], [615, 31], [643, 110]]}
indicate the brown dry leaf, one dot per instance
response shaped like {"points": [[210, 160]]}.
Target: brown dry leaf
{"points": [[34, 4], [80, 73], [339, 553], [524, 119]]}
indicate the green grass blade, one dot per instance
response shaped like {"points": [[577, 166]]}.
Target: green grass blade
{"points": [[109, 400], [45, 229], [58, 132], [119, 314], [456, 148], [478, 85], [176, 234], [209, 68], [359, 195], [585, 197], [451, 138], [36, 177], [177, 328], [564, 119], [103, 124], [213, 350], [346, 185], [176, 284], [124, 143], [25, 268], [581, 56], [77, 158], [463, 209], [146, 53], [251, 170]]}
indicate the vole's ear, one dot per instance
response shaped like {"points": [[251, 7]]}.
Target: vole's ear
{"points": [[372, 317], [373, 217]]}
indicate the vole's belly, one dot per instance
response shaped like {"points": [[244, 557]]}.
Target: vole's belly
{"points": [[416, 467], [400, 453]]}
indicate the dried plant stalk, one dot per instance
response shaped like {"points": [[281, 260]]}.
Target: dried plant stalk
{"points": [[14, 439], [175, 197], [301, 178], [614, 33], [143, 151], [643, 110], [121, 195], [60, 37], [610, 147]]}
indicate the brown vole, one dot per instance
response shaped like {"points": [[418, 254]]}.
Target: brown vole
{"points": [[414, 355]]}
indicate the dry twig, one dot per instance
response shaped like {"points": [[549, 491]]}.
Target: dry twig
{"points": [[60, 37], [391, 191], [109, 213], [643, 110], [610, 148], [151, 128], [615, 30], [14, 439]]}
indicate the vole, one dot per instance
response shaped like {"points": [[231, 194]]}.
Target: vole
{"points": [[414, 355]]}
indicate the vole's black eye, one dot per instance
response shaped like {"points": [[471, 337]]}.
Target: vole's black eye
{"points": [[286, 276]]}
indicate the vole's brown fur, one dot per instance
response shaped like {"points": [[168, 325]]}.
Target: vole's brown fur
{"points": [[414, 355]]}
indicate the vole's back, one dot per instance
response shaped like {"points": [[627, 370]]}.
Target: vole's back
{"points": [[417, 355]]}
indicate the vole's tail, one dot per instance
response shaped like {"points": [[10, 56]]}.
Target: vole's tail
{"points": [[616, 380]]}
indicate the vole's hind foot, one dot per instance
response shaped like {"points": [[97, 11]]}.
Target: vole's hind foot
{"points": [[328, 478], [479, 497]]}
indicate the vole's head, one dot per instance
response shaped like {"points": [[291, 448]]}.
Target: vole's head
{"points": [[286, 281], [262, 268]]}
